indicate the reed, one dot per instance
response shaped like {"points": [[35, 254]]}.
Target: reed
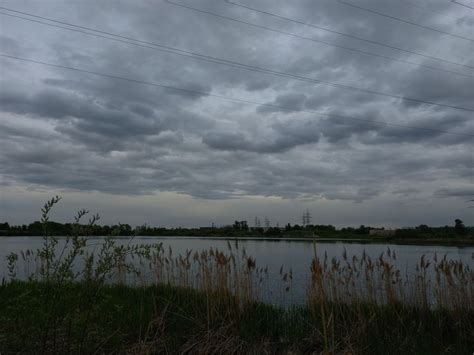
{"points": [[144, 299]]}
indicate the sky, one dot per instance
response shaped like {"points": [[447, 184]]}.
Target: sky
{"points": [[208, 111]]}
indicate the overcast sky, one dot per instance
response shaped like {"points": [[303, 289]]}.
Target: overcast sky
{"points": [[137, 153]]}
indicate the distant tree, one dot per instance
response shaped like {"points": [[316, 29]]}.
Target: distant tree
{"points": [[240, 225], [324, 227], [115, 230], [4, 226], [423, 227], [35, 228], [459, 227], [362, 230], [273, 232]]}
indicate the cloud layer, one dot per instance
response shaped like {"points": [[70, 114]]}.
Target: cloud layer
{"points": [[72, 131]]}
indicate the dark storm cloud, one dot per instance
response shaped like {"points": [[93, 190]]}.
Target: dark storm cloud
{"points": [[84, 132]]}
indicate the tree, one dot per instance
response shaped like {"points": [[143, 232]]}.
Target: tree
{"points": [[362, 230], [423, 227], [4, 226], [459, 227], [236, 225], [240, 225]]}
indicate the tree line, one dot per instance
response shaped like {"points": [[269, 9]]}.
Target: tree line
{"points": [[238, 229]]}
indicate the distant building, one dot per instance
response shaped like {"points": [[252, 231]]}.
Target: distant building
{"points": [[382, 232]]}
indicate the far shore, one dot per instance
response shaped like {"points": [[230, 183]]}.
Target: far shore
{"points": [[459, 242]]}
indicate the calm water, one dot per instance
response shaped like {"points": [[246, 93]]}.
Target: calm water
{"points": [[295, 255]]}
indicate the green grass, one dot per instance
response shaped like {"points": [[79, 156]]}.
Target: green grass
{"points": [[39, 317]]}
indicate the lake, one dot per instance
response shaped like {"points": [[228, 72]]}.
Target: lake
{"points": [[294, 255]]}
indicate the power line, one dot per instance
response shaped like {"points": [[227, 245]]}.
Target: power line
{"points": [[360, 51], [221, 61], [228, 98], [472, 156], [348, 35], [258, 26], [459, 3], [427, 9], [405, 21], [134, 42]]}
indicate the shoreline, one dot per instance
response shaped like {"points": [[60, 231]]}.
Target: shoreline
{"points": [[395, 241]]}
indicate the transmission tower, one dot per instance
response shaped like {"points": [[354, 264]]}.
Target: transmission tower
{"points": [[306, 218], [267, 222], [257, 222]]}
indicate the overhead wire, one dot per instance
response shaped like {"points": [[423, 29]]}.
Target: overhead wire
{"points": [[428, 9], [228, 98], [239, 21], [221, 61], [472, 46], [356, 50], [395, 18], [424, 55], [461, 4]]}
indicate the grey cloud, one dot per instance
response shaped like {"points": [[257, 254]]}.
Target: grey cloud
{"points": [[141, 110], [89, 133], [9, 44], [227, 141], [283, 136], [359, 195], [288, 103], [406, 191], [257, 85], [459, 192]]}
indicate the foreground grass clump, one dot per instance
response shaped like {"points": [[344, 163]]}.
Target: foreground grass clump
{"points": [[38, 317]]}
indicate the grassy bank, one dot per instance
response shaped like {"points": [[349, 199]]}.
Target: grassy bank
{"points": [[87, 318]]}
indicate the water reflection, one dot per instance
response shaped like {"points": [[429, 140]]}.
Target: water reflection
{"points": [[278, 256]]}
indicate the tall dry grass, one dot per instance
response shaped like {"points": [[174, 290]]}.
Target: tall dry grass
{"points": [[434, 283], [354, 304]]}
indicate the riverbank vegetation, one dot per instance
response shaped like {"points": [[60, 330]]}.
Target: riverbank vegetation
{"points": [[70, 296], [455, 234], [93, 319]]}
